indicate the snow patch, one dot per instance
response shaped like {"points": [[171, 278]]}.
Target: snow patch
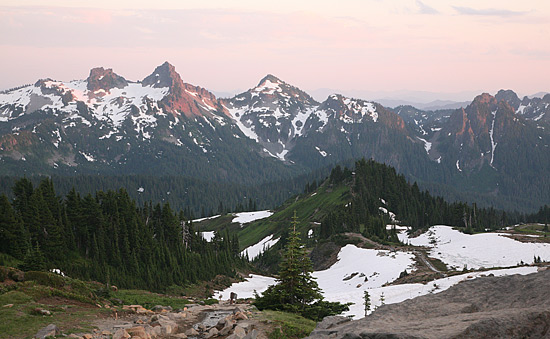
{"points": [[246, 217], [259, 248], [457, 249], [208, 235]]}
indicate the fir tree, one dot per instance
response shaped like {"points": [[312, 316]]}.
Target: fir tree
{"points": [[296, 290], [34, 260], [366, 298]]}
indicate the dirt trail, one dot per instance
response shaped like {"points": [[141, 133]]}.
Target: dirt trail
{"points": [[195, 321]]}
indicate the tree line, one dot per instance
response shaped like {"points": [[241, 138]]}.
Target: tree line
{"points": [[108, 237], [374, 185]]}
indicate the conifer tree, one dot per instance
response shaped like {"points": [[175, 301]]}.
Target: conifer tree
{"points": [[296, 290], [298, 286]]}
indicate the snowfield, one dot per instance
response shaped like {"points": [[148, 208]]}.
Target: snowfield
{"points": [[358, 270], [246, 217], [358, 267], [246, 288], [486, 250], [259, 248], [398, 293]]}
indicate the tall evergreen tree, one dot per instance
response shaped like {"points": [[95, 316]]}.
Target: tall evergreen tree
{"points": [[296, 289]]}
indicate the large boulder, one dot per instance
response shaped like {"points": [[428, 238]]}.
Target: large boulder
{"points": [[49, 331]]}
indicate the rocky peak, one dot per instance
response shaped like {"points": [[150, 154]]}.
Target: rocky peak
{"points": [[105, 79], [484, 98], [164, 75], [350, 110], [183, 99], [508, 96], [269, 78], [273, 88]]}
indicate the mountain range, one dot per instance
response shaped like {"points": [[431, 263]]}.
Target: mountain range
{"points": [[494, 150]]}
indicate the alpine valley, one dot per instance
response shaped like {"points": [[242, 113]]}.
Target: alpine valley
{"points": [[493, 152]]}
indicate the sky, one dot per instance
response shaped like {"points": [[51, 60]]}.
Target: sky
{"points": [[370, 47]]}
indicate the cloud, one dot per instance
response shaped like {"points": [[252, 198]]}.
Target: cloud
{"points": [[425, 9], [503, 13]]}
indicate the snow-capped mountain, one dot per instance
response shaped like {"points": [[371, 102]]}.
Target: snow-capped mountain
{"points": [[107, 124], [273, 113], [279, 116], [161, 125]]}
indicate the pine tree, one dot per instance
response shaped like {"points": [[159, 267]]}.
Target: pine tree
{"points": [[298, 286], [366, 298], [34, 260], [296, 290]]}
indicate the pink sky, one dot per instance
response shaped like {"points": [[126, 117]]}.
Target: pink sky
{"points": [[361, 45]]}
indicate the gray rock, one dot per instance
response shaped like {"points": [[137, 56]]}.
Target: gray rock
{"points": [[331, 321], [211, 333], [252, 335], [160, 308], [50, 330], [191, 332], [239, 331], [121, 334]]}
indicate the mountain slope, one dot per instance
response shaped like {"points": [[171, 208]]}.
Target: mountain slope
{"points": [[107, 125]]}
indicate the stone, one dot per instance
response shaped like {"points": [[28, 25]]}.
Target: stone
{"points": [[87, 336], [191, 332], [50, 330], [179, 335], [331, 321], [42, 311], [160, 308], [211, 333], [74, 336], [227, 328], [252, 335], [121, 334], [8, 306], [239, 331], [240, 316], [237, 310], [138, 331], [167, 326], [105, 332], [154, 331]]}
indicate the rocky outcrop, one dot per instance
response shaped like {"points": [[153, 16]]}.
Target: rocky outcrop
{"points": [[49, 331], [104, 79], [488, 307]]}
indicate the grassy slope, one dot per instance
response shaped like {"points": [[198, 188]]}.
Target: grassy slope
{"points": [[74, 304], [309, 209]]}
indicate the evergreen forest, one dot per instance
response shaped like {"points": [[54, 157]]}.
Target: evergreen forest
{"points": [[108, 237]]}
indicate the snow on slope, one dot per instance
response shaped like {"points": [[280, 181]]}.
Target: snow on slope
{"points": [[246, 217], [207, 218], [392, 294], [457, 249], [208, 235], [398, 293], [259, 248], [245, 289], [374, 268]]}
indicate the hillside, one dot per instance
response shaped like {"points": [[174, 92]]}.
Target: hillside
{"points": [[362, 200]]}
